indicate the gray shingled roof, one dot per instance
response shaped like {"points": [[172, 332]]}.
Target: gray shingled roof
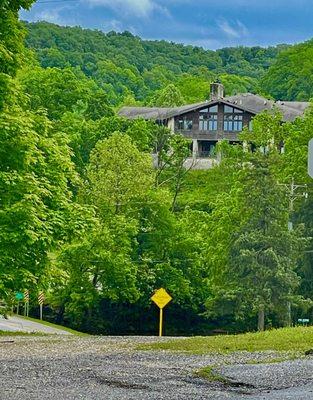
{"points": [[158, 113], [298, 105], [290, 109], [145, 112], [247, 102]]}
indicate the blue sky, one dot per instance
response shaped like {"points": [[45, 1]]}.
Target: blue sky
{"points": [[206, 23]]}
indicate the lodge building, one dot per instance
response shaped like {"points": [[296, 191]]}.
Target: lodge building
{"points": [[220, 118]]}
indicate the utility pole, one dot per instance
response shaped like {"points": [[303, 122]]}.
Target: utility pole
{"points": [[310, 159], [293, 194]]}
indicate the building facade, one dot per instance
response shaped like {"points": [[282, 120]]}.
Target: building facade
{"points": [[220, 118]]}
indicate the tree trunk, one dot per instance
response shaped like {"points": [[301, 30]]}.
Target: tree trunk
{"points": [[288, 319], [261, 319]]}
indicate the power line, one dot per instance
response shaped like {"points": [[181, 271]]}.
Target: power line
{"points": [[56, 1]]}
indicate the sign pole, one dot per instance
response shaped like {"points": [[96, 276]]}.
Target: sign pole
{"points": [[161, 322], [41, 300], [26, 303], [161, 298], [18, 308]]}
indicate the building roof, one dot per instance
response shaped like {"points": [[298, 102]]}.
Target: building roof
{"points": [[256, 104], [247, 102]]}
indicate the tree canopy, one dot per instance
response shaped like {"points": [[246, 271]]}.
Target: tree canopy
{"points": [[91, 217]]}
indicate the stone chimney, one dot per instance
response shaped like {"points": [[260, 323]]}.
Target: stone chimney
{"points": [[216, 91]]}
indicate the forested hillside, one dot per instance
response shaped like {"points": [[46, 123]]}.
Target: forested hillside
{"points": [[131, 69], [86, 218], [291, 75]]}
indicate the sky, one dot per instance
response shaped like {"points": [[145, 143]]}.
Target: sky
{"points": [[206, 23]]}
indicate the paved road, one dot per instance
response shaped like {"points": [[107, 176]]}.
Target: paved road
{"points": [[100, 368], [16, 324]]}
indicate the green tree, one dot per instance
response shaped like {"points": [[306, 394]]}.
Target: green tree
{"points": [[264, 254], [100, 264], [258, 272], [170, 96], [98, 267], [172, 169], [295, 168], [35, 175], [194, 89], [290, 77], [119, 175], [11, 45], [64, 90]]}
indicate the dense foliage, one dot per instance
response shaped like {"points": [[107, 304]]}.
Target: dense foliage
{"points": [[290, 77], [85, 217], [132, 70]]}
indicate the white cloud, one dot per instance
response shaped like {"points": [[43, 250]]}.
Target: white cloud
{"points": [[56, 15], [52, 16], [113, 25], [234, 29], [140, 8], [117, 26]]}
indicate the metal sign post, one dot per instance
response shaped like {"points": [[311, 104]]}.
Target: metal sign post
{"points": [[161, 298], [41, 300], [310, 159], [26, 303]]}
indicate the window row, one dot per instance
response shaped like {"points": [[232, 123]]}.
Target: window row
{"points": [[209, 122], [233, 123]]}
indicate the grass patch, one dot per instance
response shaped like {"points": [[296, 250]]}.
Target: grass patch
{"points": [[294, 340], [19, 333], [209, 374], [51, 325]]}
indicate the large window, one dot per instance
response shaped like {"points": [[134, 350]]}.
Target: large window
{"points": [[233, 119], [184, 124], [208, 119]]}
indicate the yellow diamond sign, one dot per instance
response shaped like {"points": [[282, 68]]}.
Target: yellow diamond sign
{"points": [[161, 298]]}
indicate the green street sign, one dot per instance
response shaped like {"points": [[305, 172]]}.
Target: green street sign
{"points": [[310, 159], [19, 296]]}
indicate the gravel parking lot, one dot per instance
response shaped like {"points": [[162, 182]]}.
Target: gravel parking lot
{"points": [[94, 368]]}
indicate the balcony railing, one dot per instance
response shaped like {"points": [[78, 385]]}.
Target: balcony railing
{"points": [[205, 154]]}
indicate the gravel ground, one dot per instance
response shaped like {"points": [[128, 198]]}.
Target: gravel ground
{"points": [[92, 368]]}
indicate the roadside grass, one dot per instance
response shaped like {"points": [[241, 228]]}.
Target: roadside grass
{"points": [[292, 340], [13, 333], [51, 325]]}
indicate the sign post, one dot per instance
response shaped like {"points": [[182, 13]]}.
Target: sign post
{"points": [[19, 296], [310, 159], [161, 298], [41, 300], [26, 303]]}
